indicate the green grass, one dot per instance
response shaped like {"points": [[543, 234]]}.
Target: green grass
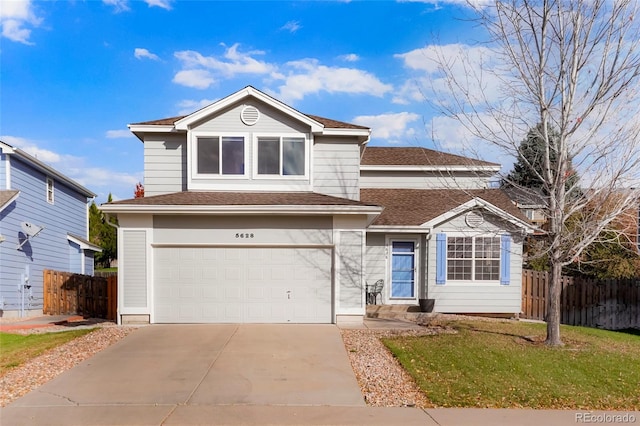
{"points": [[107, 270], [506, 364], [16, 349]]}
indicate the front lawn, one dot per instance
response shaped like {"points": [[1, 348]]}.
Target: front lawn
{"points": [[506, 364], [16, 349]]}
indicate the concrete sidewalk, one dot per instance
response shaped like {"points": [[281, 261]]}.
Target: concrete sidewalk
{"points": [[39, 322], [174, 414]]}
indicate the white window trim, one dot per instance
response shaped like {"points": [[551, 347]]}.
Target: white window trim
{"points": [[490, 283], [389, 267], [193, 157], [307, 156], [49, 182]]}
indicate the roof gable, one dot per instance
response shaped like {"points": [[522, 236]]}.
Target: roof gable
{"points": [[427, 207], [183, 123]]}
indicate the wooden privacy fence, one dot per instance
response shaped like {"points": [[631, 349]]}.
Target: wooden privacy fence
{"points": [[92, 297], [608, 304]]}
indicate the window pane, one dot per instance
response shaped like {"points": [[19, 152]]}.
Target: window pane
{"points": [[459, 269], [487, 270], [208, 156], [233, 155], [487, 248], [403, 247], [293, 156], [268, 156], [459, 248]]}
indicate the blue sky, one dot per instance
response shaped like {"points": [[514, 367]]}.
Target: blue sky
{"points": [[75, 73]]}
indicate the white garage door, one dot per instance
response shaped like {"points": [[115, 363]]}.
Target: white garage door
{"points": [[242, 285]]}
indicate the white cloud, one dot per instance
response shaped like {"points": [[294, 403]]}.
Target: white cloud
{"points": [[201, 71], [32, 148], [118, 134], [15, 15], [291, 26], [118, 5], [464, 63], [394, 127], [307, 76], [164, 4], [350, 57], [189, 106], [141, 53], [198, 79]]}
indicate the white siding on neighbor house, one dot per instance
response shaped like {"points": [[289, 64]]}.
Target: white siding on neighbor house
{"points": [[422, 180], [3, 171], [165, 164], [336, 168], [350, 266], [133, 268], [477, 297], [50, 248]]}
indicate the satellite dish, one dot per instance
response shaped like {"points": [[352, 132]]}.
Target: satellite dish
{"points": [[30, 229]]}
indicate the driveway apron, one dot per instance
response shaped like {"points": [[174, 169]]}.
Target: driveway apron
{"points": [[211, 365]]}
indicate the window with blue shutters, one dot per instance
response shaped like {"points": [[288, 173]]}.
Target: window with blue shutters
{"points": [[473, 258]]}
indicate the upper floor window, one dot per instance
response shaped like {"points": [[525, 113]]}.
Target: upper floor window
{"points": [[281, 156], [473, 258], [220, 155], [50, 190]]}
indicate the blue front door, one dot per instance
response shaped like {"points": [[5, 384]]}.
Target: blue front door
{"points": [[403, 269]]}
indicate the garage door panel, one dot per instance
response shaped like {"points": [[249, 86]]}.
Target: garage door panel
{"points": [[262, 285]]}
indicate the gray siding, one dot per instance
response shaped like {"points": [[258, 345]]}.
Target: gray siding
{"points": [[50, 249], [165, 164], [422, 180], [375, 258], [337, 167], [271, 121], [134, 268], [350, 266], [477, 297], [222, 230]]}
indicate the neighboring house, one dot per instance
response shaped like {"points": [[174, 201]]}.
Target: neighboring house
{"points": [[256, 212], [531, 203], [43, 225]]}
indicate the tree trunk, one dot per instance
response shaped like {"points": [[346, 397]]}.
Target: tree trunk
{"points": [[553, 306]]}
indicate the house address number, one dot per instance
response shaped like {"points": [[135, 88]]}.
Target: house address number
{"points": [[244, 235]]}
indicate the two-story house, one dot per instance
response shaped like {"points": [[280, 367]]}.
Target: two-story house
{"points": [[44, 224], [256, 212]]}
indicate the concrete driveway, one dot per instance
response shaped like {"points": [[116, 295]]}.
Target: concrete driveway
{"points": [[212, 365]]}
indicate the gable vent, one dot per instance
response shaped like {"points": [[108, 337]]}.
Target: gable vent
{"points": [[250, 115]]}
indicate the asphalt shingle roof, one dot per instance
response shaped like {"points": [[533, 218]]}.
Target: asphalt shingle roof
{"points": [[415, 156], [327, 122], [222, 198], [5, 196], [413, 207]]}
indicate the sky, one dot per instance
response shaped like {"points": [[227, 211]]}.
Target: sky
{"points": [[73, 74]]}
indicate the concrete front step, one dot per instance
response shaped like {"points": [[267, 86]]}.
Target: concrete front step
{"points": [[409, 313]]}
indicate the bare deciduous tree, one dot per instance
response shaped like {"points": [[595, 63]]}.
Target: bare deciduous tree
{"points": [[569, 67]]}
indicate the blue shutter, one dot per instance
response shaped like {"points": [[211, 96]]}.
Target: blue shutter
{"points": [[441, 258], [505, 259]]}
